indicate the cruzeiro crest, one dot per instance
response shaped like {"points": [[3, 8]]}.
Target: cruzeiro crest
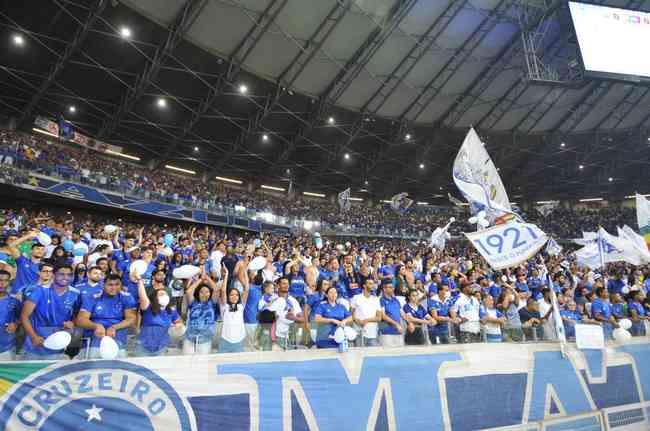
{"points": [[95, 395]]}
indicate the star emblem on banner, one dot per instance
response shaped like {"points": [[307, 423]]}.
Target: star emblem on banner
{"points": [[94, 413]]}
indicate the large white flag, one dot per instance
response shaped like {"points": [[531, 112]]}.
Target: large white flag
{"points": [[643, 217], [508, 245], [609, 248], [478, 179]]}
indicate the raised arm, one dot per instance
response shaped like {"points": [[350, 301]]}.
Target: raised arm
{"points": [[13, 246], [142, 292]]}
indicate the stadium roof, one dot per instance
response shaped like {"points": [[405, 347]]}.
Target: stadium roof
{"points": [[372, 94]]}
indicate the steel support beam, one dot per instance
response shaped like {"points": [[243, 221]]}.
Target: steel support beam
{"points": [[236, 60], [177, 31], [613, 119], [291, 73], [438, 82], [78, 39], [347, 74]]}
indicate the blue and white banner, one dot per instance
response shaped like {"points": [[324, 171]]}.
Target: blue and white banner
{"points": [[344, 200], [400, 203], [508, 245], [453, 388]]}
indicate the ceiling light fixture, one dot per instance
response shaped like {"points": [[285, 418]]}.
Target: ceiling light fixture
{"points": [[125, 32], [228, 180], [18, 39], [162, 103]]}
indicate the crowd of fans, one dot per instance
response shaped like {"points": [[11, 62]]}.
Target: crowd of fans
{"points": [[96, 276], [49, 157]]}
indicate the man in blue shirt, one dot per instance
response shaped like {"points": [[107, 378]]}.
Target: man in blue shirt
{"points": [[9, 315], [570, 317], [27, 268], [122, 254], [108, 313], [601, 310], [45, 276], [438, 308], [390, 330], [93, 285], [49, 310]]}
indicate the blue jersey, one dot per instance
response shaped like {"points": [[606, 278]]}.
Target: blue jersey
{"points": [[418, 311], [618, 310], [603, 308], [521, 286], [574, 316], [335, 280], [107, 311], [615, 286], [26, 273], [329, 311], [442, 310], [387, 271], [483, 311], [250, 309], [50, 312], [392, 308], [297, 286], [87, 290], [495, 290], [314, 301], [200, 321], [640, 311], [154, 335], [9, 313], [119, 256]]}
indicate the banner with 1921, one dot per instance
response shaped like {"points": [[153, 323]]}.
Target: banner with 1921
{"points": [[509, 244]]}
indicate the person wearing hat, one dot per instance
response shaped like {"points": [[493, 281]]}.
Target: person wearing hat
{"points": [[465, 311]]}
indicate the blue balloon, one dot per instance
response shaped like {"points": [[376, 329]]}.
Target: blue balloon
{"points": [[78, 252], [68, 245], [169, 239]]}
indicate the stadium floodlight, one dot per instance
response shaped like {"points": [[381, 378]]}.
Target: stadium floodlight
{"points": [[591, 200], [243, 89], [18, 40], [563, 144], [346, 156], [162, 103], [126, 156], [125, 32], [265, 138], [316, 195], [356, 199], [228, 180], [330, 120], [177, 169], [386, 202], [610, 179], [634, 196], [72, 109], [581, 167], [196, 149], [277, 189], [423, 203], [408, 136], [421, 165]]}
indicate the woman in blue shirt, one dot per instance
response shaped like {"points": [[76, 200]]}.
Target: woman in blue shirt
{"points": [[201, 297], [157, 316], [416, 317], [638, 314], [329, 316]]}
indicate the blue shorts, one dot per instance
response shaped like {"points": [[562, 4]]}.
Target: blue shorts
{"points": [[228, 347]]}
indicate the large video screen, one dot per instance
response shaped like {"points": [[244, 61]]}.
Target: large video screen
{"points": [[613, 42]]}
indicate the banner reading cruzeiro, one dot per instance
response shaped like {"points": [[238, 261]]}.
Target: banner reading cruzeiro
{"points": [[455, 387]]}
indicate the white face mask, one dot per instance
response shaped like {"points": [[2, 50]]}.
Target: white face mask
{"points": [[163, 301]]}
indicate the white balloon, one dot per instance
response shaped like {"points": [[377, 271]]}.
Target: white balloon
{"points": [[108, 348], [625, 324], [256, 264], [167, 252], [186, 271], [44, 239], [453, 219], [504, 279], [58, 340], [473, 220], [348, 244], [140, 266], [481, 214], [176, 332], [625, 290], [339, 335], [483, 222], [109, 228], [350, 333], [339, 247], [621, 335]]}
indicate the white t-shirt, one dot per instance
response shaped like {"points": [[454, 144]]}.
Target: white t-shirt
{"points": [[233, 329], [366, 308], [281, 307], [490, 327], [467, 307]]}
